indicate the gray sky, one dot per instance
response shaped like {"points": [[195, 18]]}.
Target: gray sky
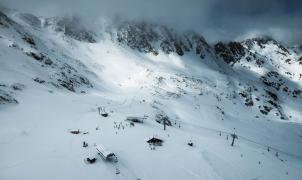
{"points": [[215, 19]]}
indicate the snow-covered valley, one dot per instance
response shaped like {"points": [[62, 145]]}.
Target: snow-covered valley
{"points": [[57, 78]]}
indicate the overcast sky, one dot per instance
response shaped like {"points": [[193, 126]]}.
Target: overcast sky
{"points": [[215, 19]]}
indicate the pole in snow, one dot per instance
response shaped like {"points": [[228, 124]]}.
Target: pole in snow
{"points": [[234, 136]]}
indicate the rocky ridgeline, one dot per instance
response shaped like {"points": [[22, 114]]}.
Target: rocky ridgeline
{"points": [[150, 38], [156, 39], [234, 52], [230, 52]]}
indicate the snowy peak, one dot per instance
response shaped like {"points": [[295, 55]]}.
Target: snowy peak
{"points": [[150, 38], [65, 55], [264, 42], [63, 90]]}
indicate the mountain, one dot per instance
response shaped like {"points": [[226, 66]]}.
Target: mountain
{"points": [[58, 76]]}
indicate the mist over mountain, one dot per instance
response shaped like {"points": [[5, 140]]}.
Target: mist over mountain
{"points": [[216, 20], [150, 90]]}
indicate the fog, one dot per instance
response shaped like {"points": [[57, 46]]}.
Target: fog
{"points": [[214, 19]]}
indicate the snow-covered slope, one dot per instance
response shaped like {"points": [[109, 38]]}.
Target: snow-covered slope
{"points": [[55, 74]]}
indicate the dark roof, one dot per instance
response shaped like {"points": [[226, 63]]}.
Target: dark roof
{"points": [[154, 139]]}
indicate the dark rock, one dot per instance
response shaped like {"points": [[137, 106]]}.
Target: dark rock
{"points": [[296, 92], [6, 98], [17, 86], [70, 78], [29, 40], [273, 79], [38, 57], [272, 95], [178, 49], [166, 47], [138, 36], [48, 61], [231, 52], [38, 80]]}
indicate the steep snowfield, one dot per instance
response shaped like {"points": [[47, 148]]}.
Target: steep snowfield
{"points": [[205, 99]]}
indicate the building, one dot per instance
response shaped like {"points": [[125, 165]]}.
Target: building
{"points": [[135, 119], [155, 141], [106, 154]]}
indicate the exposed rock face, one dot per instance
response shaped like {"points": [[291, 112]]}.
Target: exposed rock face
{"points": [[300, 61], [29, 40], [138, 37], [231, 52], [200, 45], [40, 57], [69, 78], [247, 95], [8, 92], [154, 38], [6, 98], [273, 79], [276, 81]]}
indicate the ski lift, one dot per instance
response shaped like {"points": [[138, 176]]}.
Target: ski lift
{"points": [[102, 111]]}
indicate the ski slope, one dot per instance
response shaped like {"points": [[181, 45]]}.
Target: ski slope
{"points": [[197, 96]]}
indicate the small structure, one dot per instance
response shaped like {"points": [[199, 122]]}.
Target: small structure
{"points": [[155, 141], [85, 144], [75, 131], [234, 136], [162, 118], [135, 119], [104, 114], [102, 111], [106, 154], [190, 143], [91, 160]]}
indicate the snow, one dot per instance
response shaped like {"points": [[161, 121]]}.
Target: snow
{"points": [[36, 142]]}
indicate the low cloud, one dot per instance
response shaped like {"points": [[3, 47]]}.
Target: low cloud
{"points": [[215, 19]]}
